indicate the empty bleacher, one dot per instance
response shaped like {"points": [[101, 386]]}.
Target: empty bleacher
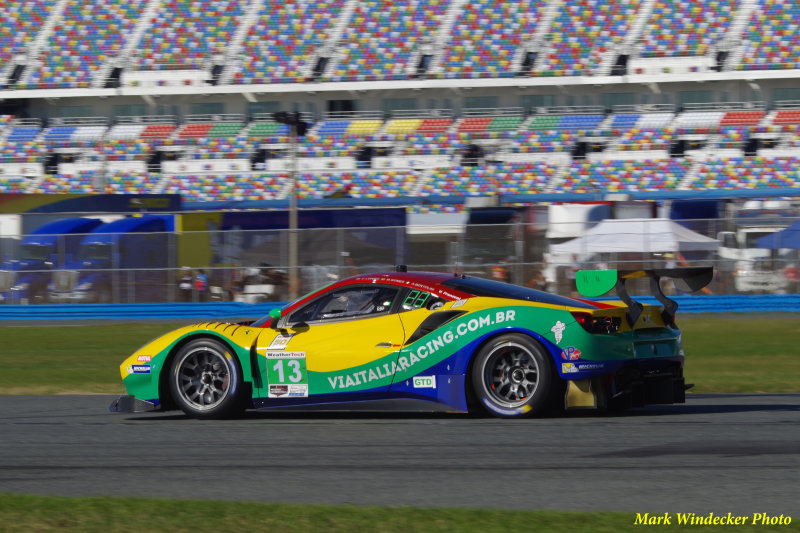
{"points": [[725, 146], [70, 44]]}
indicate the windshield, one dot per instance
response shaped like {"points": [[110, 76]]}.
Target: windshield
{"points": [[34, 252], [96, 252], [497, 289]]}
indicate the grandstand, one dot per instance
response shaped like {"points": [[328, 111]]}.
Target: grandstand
{"points": [[432, 101]]}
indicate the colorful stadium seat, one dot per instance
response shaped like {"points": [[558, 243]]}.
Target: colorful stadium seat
{"points": [[87, 35], [185, 34], [686, 27]]}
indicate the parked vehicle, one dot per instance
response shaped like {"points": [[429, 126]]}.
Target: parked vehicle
{"points": [[127, 260], [24, 279], [754, 268]]}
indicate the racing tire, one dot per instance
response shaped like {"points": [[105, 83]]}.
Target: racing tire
{"points": [[513, 377], [205, 380]]}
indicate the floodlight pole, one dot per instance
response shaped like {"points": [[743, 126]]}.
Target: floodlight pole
{"points": [[293, 274], [296, 127]]}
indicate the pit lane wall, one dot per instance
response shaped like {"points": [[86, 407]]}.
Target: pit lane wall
{"points": [[242, 311]]}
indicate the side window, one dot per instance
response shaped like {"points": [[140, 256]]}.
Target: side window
{"points": [[347, 303]]}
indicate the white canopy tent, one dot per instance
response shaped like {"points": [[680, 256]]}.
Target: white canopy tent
{"points": [[642, 235]]}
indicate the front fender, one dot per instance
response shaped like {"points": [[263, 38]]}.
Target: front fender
{"points": [[142, 372]]}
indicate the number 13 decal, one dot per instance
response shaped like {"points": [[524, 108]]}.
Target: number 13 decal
{"points": [[286, 374], [295, 375]]}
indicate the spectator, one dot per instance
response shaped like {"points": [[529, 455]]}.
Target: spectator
{"points": [[237, 285], [538, 281], [201, 285], [792, 274], [185, 285]]}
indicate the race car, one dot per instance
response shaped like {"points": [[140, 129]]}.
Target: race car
{"points": [[444, 341]]}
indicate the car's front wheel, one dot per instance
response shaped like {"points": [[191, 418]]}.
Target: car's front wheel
{"points": [[512, 376], [206, 380]]}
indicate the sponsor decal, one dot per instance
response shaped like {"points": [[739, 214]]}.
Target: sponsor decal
{"points": [[570, 368], [298, 391], [286, 370], [139, 369], [570, 353], [276, 391], [415, 357], [558, 330], [458, 303], [589, 366], [144, 358], [279, 342], [424, 382]]}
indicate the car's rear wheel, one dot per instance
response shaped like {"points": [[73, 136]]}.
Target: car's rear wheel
{"points": [[206, 380], [512, 376]]}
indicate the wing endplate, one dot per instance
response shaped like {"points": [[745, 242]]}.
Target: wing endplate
{"points": [[592, 283]]}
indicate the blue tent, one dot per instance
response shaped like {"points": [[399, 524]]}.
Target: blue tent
{"points": [[786, 238]]}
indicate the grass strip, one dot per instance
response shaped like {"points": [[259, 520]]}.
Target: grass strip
{"points": [[724, 353], [24, 513]]}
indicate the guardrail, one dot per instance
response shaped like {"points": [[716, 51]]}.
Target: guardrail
{"points": [[227, 310]]}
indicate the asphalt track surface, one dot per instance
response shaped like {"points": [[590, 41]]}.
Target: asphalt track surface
{"points": [[717, 453]]}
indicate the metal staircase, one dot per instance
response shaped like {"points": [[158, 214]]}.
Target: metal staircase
{"points": [[733, 38], [629, 43], [132, 43], [444, 34], [233, 51], [328, 48], [35, 48], [536, 41]]}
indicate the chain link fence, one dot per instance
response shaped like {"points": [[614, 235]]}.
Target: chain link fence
{"points": [[252, 265]]}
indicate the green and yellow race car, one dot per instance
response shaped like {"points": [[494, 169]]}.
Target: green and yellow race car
{"points": [[430, 341]]}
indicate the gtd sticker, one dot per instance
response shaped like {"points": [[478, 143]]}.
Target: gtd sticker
{"points": [[424, 382], [570, 353]]}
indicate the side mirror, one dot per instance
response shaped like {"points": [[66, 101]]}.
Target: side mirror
{"points": [[275, 313]]}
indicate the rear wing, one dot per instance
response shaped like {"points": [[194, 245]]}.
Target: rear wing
{"points": [[592, 283]]}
